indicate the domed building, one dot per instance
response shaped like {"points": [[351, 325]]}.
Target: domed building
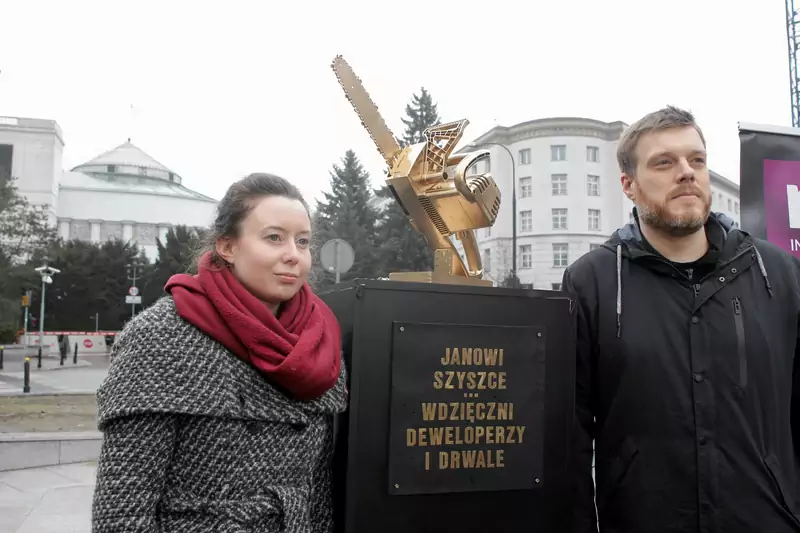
{"points": [[123, 193], [126, 194]]}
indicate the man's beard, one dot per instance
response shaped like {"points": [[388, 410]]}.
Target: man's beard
{"points": [[657, 217]]}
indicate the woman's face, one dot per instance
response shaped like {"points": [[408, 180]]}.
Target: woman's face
{"points": [[271, 255]]}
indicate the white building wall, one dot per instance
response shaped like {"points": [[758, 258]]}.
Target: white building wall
{"points": [[37, 158], [142, 218], [536, 267]]}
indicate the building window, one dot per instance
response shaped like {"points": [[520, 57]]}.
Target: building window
{"points": [[736, 207], [592, 154], [525, 187], [594, 246], [559, 184], [488, 231], [730, 205], [111, 169], [558, 152], [487, 259], [525, 256], [594, 219], [592, 185], [555, 286], [525, 156], [488, 165], [526, 220], [559, 218], [560, 255]]}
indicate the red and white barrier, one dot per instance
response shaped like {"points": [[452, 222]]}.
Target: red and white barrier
{"points": [[89, 342]]}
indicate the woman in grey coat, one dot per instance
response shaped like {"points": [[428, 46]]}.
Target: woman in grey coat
{"points": [[218, 408]]}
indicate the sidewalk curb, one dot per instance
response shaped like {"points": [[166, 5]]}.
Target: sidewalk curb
{"points": [[76, 392], [66, 366], [32, 450]]}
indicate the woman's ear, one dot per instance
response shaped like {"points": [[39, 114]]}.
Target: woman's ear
{"points": [[226, 249]]}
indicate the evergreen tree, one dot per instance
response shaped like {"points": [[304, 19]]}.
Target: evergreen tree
{"points": [[93, 279], [421, 113], [347, 212], [175, 256], [403, 249]]}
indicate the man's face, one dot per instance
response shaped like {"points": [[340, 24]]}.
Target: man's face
{"points": [[672, 187]]}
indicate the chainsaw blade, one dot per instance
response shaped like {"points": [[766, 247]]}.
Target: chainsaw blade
{"points": [[366, 110]]}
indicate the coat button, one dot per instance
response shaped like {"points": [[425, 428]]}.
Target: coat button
{"points": [[698, 378], [695, 320], [252, 427]]}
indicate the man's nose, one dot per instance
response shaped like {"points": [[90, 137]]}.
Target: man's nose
{"points": [[686, 171]]}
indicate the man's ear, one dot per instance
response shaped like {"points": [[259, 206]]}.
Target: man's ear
{"points": [[226, 249], [628, 185]]}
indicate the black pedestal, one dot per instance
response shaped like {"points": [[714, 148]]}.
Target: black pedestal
{"points": [[461, 408]]}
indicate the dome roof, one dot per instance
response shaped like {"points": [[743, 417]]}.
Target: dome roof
{"points": [[128, 159]]}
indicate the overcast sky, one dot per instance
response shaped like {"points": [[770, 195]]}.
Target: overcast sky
{"points": [[219, 92]]}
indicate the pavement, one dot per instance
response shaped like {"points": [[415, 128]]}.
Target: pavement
{"points": [[47, 500], [51, 498], [53, 378]]}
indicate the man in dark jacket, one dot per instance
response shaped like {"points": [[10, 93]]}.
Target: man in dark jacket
{"points": [[687, 337]]}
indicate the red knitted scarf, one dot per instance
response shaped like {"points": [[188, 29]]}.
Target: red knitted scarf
{"points": [[298, 350]]}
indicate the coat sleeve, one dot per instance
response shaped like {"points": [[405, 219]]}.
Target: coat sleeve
{"points": [[131, 471], [585, 511]]}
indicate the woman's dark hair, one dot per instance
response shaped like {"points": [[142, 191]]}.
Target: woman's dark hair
{"points": [[237, 203]]}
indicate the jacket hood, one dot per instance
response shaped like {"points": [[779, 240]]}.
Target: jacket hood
{"points": [[630, 235], [628, 243]]}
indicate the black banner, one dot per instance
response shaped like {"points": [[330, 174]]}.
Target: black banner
{"points": [[770, 184], [467, 408]]}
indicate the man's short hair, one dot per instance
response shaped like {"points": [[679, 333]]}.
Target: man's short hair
{"points": [[663, 119]]}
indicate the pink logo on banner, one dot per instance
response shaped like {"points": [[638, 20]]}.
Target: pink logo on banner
{"points": [[782, 204]]}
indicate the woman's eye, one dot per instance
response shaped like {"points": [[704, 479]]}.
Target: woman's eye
{"points": [[302, 242], [274, 238]]}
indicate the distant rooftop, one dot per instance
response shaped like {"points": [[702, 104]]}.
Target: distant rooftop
{"points": [[127, 159], [127, 168], [31, 125]]}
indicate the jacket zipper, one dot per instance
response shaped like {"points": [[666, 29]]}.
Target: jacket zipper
{"points": [[741, 350]]}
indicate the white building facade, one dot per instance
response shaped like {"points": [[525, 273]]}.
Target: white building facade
{"points": [[569, 198], [121, 194]]}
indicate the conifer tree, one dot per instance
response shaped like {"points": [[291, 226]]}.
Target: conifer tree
{"points": [[402, 247], [421, 113], [348, 212]]}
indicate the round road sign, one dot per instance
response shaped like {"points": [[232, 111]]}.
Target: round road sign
{"points": [[88, 343], [133, 291], [337, 256]]}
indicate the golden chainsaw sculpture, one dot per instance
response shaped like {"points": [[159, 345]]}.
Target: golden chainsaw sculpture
{"points": [[432, 187]]}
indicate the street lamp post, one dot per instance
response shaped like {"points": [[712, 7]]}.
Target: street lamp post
{"points": [[47, 273], [132, 277], [513, 205]]}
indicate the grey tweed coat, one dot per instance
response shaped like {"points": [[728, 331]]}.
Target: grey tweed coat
{"points": [[196, 441]]}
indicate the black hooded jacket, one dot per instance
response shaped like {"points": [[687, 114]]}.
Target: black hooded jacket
{"points": [[686, 382]]}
